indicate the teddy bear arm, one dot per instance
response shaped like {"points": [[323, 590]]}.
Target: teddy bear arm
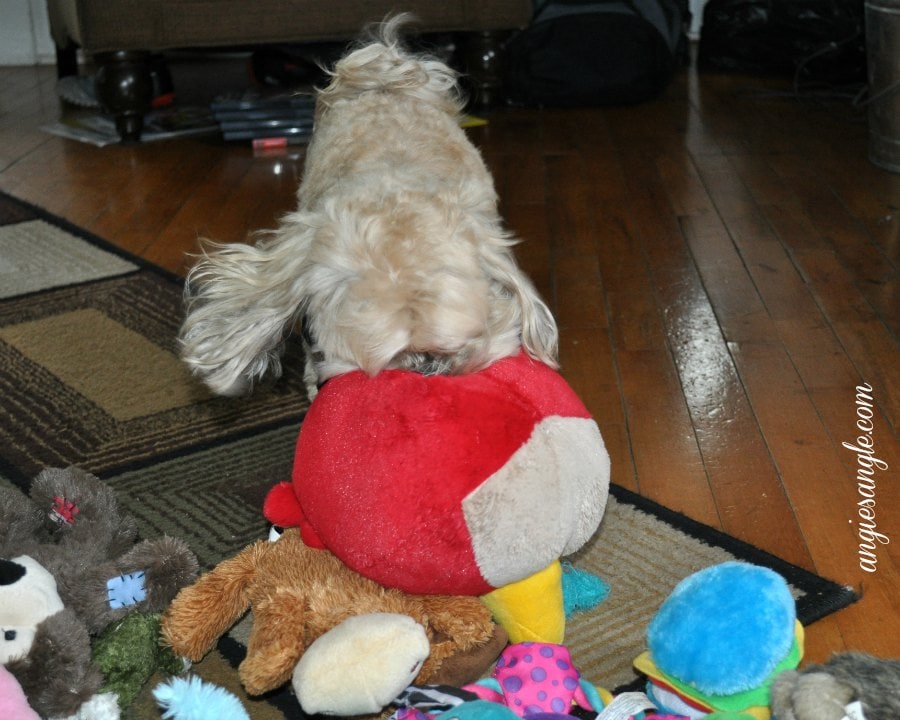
{"points": [[204, 611], [445, 659], [459, 627], [276, 643]]}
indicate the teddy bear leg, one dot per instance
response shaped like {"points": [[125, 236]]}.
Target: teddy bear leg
{"points": [[276, 643], [360, 665]]}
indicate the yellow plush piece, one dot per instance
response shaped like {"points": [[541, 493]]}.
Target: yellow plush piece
{"points": [[531, 610]]}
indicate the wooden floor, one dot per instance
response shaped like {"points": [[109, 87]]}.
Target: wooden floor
{"points": [[722, 263]]}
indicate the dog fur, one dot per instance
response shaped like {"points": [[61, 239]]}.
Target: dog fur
{"points": [[396, 256]]}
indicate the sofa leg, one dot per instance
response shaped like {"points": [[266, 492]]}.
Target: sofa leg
{"points": [[124, 87], [483, 56], [66, 60]]}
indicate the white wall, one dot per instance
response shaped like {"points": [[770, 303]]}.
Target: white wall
{"points": [[25, 33], [696, 18]]}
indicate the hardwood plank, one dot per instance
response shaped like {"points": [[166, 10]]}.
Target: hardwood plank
{"points": [[587, 363], [744, 482], [570, 207], [739, 310], [529, 222], [669, 464], [812, 474]]}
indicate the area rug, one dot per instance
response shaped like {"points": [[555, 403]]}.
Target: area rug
{"points": [[89, 376], [89, 373]]}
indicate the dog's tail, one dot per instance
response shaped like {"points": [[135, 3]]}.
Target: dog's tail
{"points": [[381, 63]]}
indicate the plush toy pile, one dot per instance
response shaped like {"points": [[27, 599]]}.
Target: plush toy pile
{"points": [[420, 506], [425, 521], [76, 589], [463, 485]]}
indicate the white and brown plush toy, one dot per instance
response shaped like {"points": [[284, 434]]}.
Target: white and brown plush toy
{"points": [[28, 596], [72, 566], [44, 645]]}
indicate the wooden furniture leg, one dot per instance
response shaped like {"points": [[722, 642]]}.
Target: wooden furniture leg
{"points": [[66, 60], [483, 56], [124, 87]]}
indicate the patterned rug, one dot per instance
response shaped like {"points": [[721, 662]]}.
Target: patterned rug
{"points": [[89, 376]]}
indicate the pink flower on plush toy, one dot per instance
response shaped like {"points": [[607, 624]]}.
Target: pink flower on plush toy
{"points": [[536, 678], [63, 511]]}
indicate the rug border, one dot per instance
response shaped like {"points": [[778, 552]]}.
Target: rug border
{"points": [[90, 237], [822, 596]]}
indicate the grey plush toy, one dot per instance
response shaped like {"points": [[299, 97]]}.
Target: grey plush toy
{"points": [[70, 544], [824, 692]]}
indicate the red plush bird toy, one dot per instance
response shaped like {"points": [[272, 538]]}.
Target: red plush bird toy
{"points": [[457, 485]]}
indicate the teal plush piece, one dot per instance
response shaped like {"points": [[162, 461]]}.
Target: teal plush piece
{"points": [[479, 710], [582, 590]]}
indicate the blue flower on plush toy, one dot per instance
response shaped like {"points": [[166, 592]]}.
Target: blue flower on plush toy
{"points": [[724, 630], [126, 590]]}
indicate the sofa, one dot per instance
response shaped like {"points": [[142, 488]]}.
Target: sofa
{"points": [[122, 36]]}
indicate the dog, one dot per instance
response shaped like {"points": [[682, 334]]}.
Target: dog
{"points": [[396, 256]]}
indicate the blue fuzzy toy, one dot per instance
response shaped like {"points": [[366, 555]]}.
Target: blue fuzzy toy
{"points": [[193, 699], [724, 630], [582, 590]]}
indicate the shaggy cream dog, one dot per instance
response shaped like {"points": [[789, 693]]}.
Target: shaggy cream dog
{"points": [[396, 255]]}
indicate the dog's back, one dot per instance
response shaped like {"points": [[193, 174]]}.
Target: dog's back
{"points": [[431, 282]]}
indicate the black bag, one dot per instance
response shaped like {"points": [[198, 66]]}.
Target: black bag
{"points": [[588, 53]]}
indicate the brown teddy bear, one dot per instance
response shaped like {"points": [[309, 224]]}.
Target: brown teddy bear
{"points": [[298, 595]]}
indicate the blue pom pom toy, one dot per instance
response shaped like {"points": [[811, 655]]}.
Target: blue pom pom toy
{"points": [[194, 699], [724, 629]]}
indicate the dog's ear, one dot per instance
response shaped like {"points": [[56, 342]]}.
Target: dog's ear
{"points": [[539, 332], [540, 336], [241, 301]]}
